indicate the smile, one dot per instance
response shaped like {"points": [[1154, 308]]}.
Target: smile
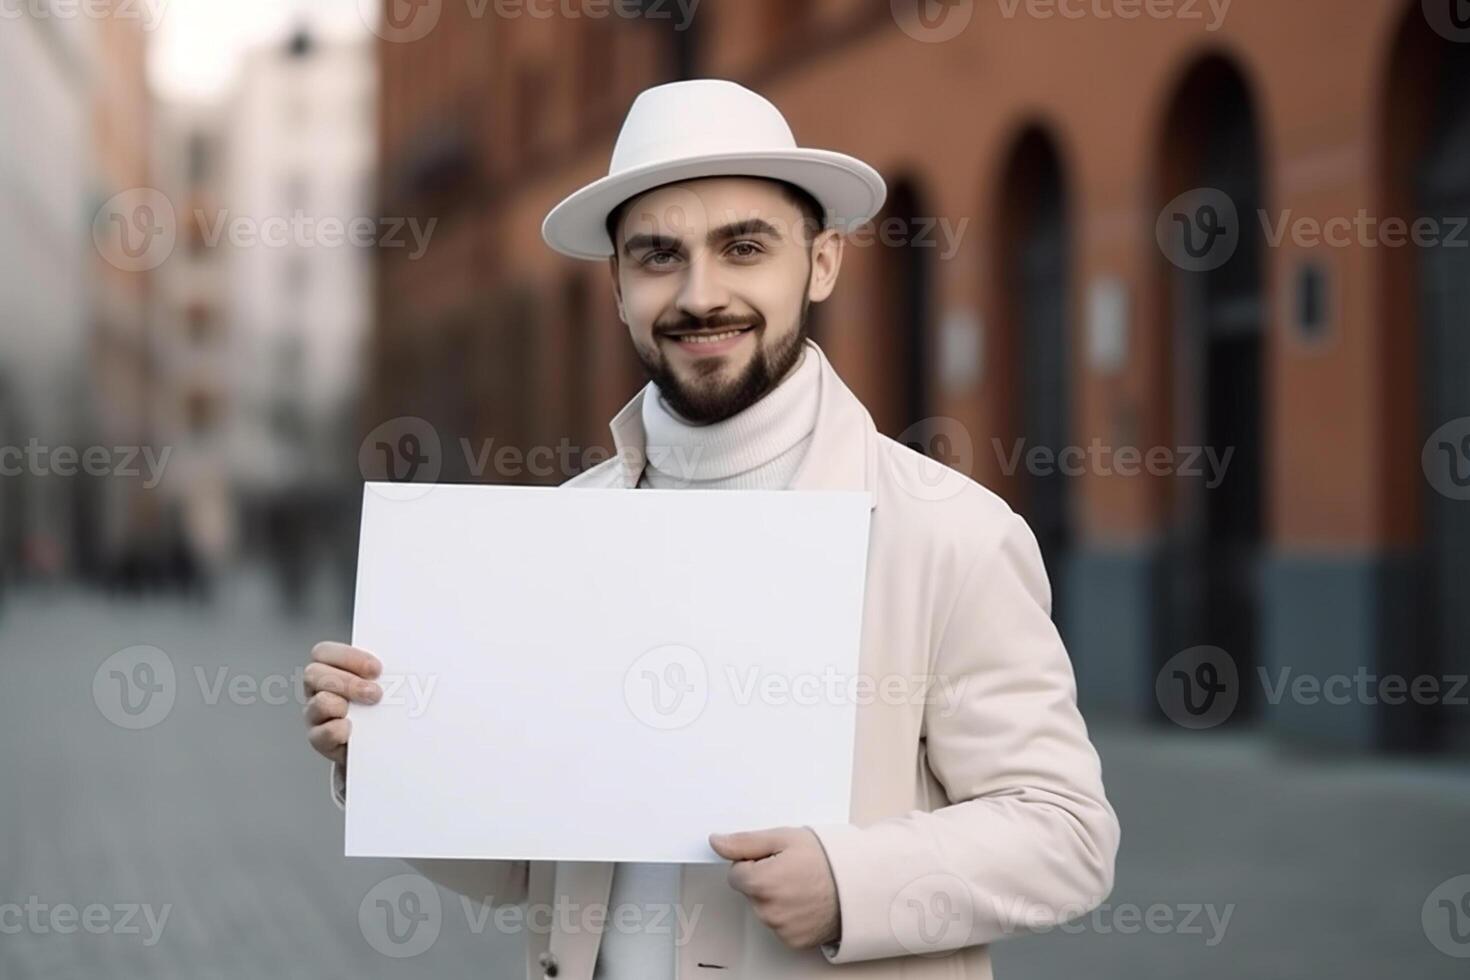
{"points": [[712, 342]]}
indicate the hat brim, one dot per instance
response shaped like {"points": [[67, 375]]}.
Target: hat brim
{"points": [[851, 192]]}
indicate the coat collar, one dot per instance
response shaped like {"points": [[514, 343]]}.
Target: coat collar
{"points": [[843, 454]]}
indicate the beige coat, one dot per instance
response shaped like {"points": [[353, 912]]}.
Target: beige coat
{"points": [[977, 803]]}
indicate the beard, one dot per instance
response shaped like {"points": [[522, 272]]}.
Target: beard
{"points": [[705, 398]]}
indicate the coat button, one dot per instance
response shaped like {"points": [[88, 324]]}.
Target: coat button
{"points": [[547, 962]]}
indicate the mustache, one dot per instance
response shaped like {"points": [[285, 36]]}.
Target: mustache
{"points": [[716, 322]]}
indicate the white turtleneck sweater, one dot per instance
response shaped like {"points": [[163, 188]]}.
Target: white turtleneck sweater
{"points": [[759, 448]]}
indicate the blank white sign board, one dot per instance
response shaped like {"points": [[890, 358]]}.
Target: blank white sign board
{"points": [[581, 674]]}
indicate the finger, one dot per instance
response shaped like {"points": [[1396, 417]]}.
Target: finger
{"points": [[750, 845], [347, 658], [330, 739], [325, 706], [320, 677], [749, 881]]}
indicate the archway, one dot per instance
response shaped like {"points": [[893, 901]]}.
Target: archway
{"points": [[905, 240], [1211, 153], [1426, 150], [1033, 256]]}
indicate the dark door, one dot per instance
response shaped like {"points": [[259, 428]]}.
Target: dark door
{"points": [[1043, 292], [1444, 194], [1218, 314]]}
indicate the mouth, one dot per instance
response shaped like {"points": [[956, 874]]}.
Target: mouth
{"points": [[709, 342]]}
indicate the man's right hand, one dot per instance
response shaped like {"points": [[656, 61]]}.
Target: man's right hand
{"points": [[336, 675]]}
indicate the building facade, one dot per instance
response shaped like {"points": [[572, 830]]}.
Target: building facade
{"points": [[1151, 272], [73, 357]]}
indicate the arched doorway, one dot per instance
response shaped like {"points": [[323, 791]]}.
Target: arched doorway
{"points": [[1211, 153], [905, 240], [1443, 190], [1033, 253], [1426, 143]]}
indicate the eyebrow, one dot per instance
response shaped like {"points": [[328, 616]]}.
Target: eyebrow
{"points": [[736, 229]]}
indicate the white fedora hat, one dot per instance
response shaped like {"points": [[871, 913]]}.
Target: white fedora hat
{"points": [[708, 127]]}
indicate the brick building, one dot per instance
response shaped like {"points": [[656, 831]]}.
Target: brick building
{"points": [[1053, 169]]}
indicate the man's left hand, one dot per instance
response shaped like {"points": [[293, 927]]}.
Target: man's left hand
{"points": [[785, 874]]}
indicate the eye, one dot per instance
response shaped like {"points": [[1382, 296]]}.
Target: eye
{"points": [[745, 250], [656, 258]]}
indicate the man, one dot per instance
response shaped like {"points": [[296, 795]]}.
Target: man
{"points": [[978, 807]]}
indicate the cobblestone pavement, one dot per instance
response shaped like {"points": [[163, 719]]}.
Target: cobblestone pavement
{"points": [[204, 845]]}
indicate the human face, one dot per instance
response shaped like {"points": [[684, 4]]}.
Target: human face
{"points": [[713, 278]]}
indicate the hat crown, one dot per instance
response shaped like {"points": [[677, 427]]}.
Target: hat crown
{"points": [[696, 117]]}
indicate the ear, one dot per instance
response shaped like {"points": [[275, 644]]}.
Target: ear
{"points": [[826, 264]]}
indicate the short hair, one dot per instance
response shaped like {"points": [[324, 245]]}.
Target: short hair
{"points": [[813, 215]]}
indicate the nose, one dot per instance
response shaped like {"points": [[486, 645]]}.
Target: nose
{"points": [[702, 293]]}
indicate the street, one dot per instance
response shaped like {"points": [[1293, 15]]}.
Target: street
{"points": [[203, 844]]}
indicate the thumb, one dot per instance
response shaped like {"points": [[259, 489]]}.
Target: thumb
{"points": [[750, 845]]}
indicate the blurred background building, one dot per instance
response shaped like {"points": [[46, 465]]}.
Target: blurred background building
{"points": [[299, 147], [74, 91]]}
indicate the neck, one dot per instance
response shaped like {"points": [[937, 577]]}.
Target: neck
{"points": [[757, 448]]}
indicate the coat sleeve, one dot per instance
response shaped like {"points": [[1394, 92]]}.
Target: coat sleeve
{"points": [[1028, 839], [496, 883]]}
